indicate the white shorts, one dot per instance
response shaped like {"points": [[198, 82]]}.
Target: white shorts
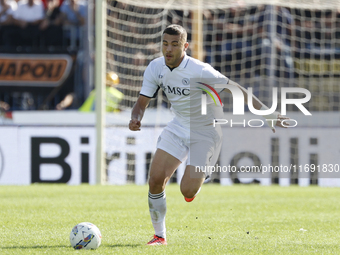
{"points": [[200, 147]]}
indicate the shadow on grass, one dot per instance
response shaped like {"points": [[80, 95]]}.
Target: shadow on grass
{"points": [[121, 245], [67, 246], [36, 247]]}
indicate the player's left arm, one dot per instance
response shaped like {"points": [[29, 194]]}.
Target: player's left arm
{"points": [[258, 105]]}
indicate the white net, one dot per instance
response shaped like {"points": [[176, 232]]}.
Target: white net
{"points": [[262, 44], [256, 45], [133, 37], [222, 4]]}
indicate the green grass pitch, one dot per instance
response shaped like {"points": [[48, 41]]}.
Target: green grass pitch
{"points": [[239, 219]]}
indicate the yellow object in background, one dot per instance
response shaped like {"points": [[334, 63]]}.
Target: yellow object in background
{"points": [[113, 96]]}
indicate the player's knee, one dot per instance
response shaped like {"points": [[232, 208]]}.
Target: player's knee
{"points": [[156, 185]]}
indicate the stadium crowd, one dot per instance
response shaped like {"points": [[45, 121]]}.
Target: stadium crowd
{"points": [[39, 23], [42, 27]]}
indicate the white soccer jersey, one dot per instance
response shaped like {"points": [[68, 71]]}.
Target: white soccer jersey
{"points": [[175, 83]]}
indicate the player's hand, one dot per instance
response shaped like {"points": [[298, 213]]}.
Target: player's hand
{"points": [[134, 125], [279, 121]]}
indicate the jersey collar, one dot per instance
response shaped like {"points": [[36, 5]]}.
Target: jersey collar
{"points": [[184, 62]]}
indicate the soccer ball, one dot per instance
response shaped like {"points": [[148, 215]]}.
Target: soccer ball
{"points": [[86, 236]]}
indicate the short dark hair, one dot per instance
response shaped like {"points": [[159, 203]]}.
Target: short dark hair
{"points": [[176, 30]]}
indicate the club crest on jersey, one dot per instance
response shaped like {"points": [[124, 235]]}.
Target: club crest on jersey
{"points": [[186, 81]]}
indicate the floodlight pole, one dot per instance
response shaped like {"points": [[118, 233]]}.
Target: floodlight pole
{"points": [[100, 70]]}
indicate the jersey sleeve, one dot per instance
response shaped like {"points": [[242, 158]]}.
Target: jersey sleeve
{"points": [[150, 86], [209, 72]]}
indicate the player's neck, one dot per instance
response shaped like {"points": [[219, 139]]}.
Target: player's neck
{"points": [[174, 66]]}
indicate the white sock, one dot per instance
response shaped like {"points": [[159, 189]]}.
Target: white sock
{"points": [[157, 208]]}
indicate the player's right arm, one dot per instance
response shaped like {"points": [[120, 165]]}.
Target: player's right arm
{"points": [[138, 112], [148, 91]]}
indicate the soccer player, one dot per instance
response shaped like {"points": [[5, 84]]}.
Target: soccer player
{"points": [[172, 73]]}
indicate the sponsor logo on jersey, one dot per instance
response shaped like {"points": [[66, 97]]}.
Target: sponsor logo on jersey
{"points": [[176, 90]]}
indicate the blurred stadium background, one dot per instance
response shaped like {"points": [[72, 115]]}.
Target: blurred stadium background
{"points": [[50, 127]]}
